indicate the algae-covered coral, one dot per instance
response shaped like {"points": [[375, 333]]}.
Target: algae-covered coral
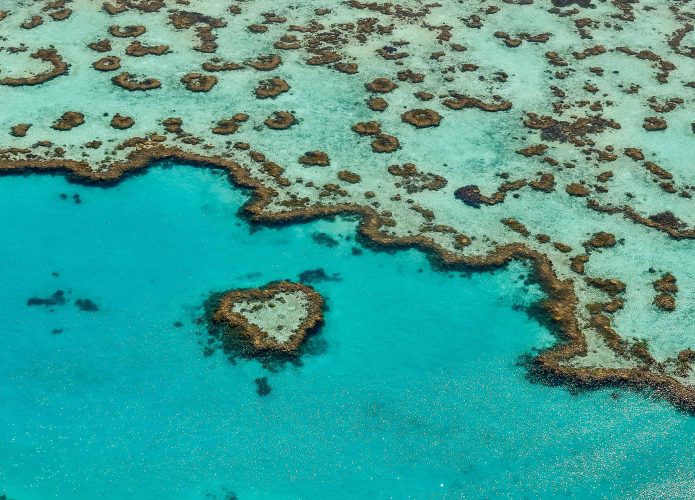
{"points": [[561, 132]]}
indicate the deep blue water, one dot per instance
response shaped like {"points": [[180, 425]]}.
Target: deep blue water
{"points": [[414, 390]]}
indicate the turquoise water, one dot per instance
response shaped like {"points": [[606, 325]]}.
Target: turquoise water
{"points": [[413, 388]]}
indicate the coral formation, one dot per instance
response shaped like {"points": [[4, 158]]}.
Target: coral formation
{"points": [[47, 55], [271, 88], [122, 122], [198, 82], [588, 169], [422, 118], [127, 81], [276, 317], [108, 63], [68, 121], [280, 120]]}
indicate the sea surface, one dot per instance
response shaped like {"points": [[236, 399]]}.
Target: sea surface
{"points": [[414, 388]]}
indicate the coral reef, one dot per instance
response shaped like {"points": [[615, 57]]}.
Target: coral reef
{"points": [[128, 82], [47, 55], [68, 121], [318, 158], [589, 168], [198, 82], [137, 49], [108, 63], [126, 31], [280, 120], [276, 317], [271, 88], [122, 122], [422, 118]]}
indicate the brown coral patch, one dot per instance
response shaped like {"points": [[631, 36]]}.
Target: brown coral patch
{"points": [[666, 284], [562, 247], [577, 189], [610, 286], [578, 263], [225, 127], [667, 288], [347, 68], [409, 75], [257, 28], [173, 125], [535, 150], [634, 153], [647, 55], [184, 19], [415, 181], [199, 82], [127, 31], [127, 81], [367, 128], [288, 42], [271, 88], [665, 302], [601, 239], [318, 158], [574, 132], [350, 177], [545, 183], [103, 45], [657, 170], [68, 121], [122, 122], [108, 63], [261, 341], [377, 104], [459, 101], [461, 241], [666, 221], [381, 86], [280, 120], [20, 130], [516, 226], [146, 6], [204, 27], [61, 15], [654, 123], [216, 65], [385, 143], [685, 358], [473, 197], [137, 49], [275, 171], [60, 67], [267, 62], [422, 118], [32, 22], [323, 58], [112, 9]]}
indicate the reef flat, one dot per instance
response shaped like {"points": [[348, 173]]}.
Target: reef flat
{"points": [[558, 132]]}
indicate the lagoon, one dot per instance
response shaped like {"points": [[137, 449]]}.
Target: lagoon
{"points": [[414, 387]]}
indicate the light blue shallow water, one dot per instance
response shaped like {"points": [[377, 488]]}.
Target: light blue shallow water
{"points": [[416, 392]]}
